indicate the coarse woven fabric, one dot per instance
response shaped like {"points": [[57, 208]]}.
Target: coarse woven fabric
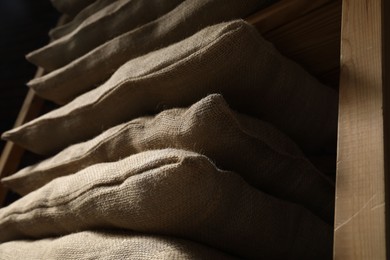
{"points": [[228, 58], [170, 192], [62, 30], [86, 72], [108, 244], [267, 158], [71, 7], [113, 20]]}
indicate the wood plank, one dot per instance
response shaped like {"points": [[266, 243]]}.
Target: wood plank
{"points": [[386, 108], [360, 187], [282, 12], [313, 40]]}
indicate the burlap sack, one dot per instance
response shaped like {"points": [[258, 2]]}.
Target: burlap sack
{"points": [[113, 20], [266, 157], [229, 58], [108, 245], [62, 30], [86, 72], [170, 192], [71, 7]]}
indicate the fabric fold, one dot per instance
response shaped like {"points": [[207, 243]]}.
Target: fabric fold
{"points": [[65, 29], [71, 7], [267, 158], [229, 58], [170, 192], [113, 20], [96, 66], [109, 244]]}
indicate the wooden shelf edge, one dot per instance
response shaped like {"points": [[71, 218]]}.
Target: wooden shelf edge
{"points": [[283, 12]]}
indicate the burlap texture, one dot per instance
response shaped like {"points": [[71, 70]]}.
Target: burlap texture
{"points": [[62, 30], [113, 20], [86, 72], [229, 58], [71, 7], [108, 245], [170, 192], [267, 159]]}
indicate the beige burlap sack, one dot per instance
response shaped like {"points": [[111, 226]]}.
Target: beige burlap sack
{"points": [[86, 72], [170, 192], [113, 20], [62, 30], [267, 159], [229, 58], [107, 244], [71, 7]]}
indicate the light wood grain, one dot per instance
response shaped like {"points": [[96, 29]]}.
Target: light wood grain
{"points": [[360, 186]]}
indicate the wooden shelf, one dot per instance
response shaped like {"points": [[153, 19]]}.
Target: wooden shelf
{"points": [[309, 32]]}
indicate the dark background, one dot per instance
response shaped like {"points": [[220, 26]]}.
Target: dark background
{"points": [[24, 26]]}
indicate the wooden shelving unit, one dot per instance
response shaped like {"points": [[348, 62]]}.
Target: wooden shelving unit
{"points": [[310, 32]]}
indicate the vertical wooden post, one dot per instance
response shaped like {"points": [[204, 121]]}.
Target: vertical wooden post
{"points": [[386, 109], [360, 188]]}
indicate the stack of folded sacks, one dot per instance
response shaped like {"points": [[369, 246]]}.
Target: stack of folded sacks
{"points": [[192, 148]]}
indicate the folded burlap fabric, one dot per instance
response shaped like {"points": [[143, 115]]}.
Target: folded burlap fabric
{"points": [[71, 7], [62, 30], [86, 72], [267, 159], [106, 244], [229, 58], [170, 192], [113, 20]]}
